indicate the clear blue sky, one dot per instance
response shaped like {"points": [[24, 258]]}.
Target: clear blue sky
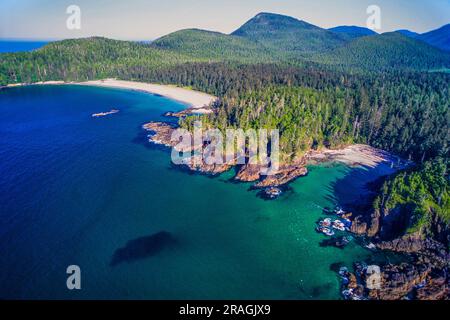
{"points": [[149, 19]]}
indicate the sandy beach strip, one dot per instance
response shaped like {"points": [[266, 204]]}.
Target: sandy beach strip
{"points": [[193, 99], [359, 155]]}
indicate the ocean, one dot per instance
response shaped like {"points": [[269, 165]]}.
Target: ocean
{"points": [[19, 45], [92, 192]]}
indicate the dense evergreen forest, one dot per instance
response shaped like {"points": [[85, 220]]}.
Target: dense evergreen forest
{"points": [[424, 192], [405, 113], [320, 88]]}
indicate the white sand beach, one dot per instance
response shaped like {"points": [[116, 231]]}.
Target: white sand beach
{"points": [[359, 155], [196, 100]]}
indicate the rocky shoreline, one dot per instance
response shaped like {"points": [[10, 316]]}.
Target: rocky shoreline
{"points": [[161, 133], [426, 275], [405, 281], [354, 155]]}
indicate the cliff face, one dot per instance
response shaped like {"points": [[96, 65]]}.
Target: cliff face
{"points": [[368, 225], [426, 276], [387, 228]]}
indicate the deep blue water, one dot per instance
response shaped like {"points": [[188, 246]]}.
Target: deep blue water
{"points": [[18, 45], [94, 193]]}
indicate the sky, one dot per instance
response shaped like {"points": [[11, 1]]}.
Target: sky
{"points": [[150, 19]]}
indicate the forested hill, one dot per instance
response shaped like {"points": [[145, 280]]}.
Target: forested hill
{"points": [[387, 51], [439, 38], [351, 32], [268, 73], [287, 34], [318, 87], [267, 38], [83, 59], [214, 46], [405, 113]]}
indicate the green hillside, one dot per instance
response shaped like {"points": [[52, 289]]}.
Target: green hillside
{"points": [[83, 59], [287, 34], [214, 46], [386, 51], [267, 38], [352, 32]]}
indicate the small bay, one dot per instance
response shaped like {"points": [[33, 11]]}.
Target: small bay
{"points": [[92, 192]]}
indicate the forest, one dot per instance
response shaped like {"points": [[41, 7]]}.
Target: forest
{"points": [[319, 88], [424, 192]]}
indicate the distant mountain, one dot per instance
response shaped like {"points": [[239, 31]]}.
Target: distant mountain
{"points": [[266, 38], [387, 51], [439, 38], [410, 34], [288, 34], [352, 32], [212, 45]]}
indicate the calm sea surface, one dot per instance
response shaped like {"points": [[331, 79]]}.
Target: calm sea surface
{"points": [[75, 190], [16, 45]]}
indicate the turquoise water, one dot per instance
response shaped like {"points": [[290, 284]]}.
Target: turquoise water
{"points": [[76, 190]]}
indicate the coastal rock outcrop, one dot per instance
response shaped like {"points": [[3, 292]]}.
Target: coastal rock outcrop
{"points": [[398, 281], [436, 288], [425, 276], [285, 174], [366, 225], [419, 280], [248, 173], [410, 243], [161, 133], [359, 226]]}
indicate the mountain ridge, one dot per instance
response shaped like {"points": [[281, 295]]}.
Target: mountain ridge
{"points": [[391, 50], [353, 31], [264, 39], [286, 33], [439, 38]]}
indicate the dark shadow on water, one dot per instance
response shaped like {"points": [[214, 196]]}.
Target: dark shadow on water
{"points": [[321, 290], [335, 242], [142, 248], [261, 218], [335, 267], [316, 292], [357, 185]]}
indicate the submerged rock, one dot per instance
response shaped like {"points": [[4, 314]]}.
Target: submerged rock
{"points": [[271, 193], [338, 242]]}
